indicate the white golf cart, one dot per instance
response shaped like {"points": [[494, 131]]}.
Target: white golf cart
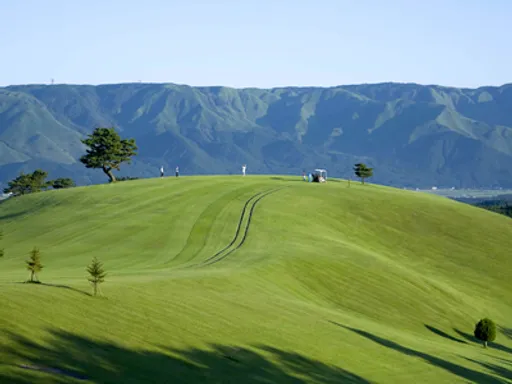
{"points": [[319, 176]]}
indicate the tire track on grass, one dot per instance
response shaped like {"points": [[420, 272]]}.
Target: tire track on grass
{"points": [[193, 239], [239, 226], [219, 255]]}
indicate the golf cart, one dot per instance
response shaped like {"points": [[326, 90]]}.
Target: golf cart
{"points": [[319, 176]]}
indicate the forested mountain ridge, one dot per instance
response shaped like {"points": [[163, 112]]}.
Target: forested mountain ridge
{"points": [[413, 135]]}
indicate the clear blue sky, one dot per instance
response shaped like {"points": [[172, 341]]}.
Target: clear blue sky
{"points": [[260, 43]]}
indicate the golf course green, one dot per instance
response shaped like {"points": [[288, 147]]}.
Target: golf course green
{"points": [[256, 279]]}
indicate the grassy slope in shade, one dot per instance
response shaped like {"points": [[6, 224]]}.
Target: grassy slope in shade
{"points": [[332, 285]]}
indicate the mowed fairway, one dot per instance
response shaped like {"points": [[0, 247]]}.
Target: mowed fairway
{"points": [[328, 285]]}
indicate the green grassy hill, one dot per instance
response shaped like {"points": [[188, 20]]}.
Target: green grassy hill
{"points": [[328, 285]]}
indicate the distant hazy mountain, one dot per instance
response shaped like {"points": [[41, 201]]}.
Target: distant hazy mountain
{"points": [[412, 135]]}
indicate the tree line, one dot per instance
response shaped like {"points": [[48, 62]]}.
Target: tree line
{"points": [[503, 207]]}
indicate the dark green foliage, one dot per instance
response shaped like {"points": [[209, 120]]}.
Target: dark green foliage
{"points": [[34, 264], [363, 171], [33, 182], [126, 178], [62, 183], [485, 330], [501, 204], [97, 274], [502, 207], [28, 183], [107, 151]]}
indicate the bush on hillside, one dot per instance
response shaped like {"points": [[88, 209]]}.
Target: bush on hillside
{"points": [[36, 181], [27, 183], [485, 330], [62, 182]]}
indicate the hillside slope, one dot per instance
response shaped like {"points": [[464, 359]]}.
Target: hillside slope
{"points": [[329, 284], [415, 135]]}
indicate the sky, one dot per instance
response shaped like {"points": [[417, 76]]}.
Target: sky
{"points": [[256, 43]]}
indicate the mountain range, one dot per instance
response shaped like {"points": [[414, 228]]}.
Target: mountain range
{"points": [[412, 135]]}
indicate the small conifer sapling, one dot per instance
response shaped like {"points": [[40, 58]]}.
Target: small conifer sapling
{"points": [[97, 274], [362, 171], [34, 264]]}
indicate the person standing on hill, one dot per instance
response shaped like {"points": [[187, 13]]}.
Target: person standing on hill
{"points": [[162, 171], [243, 169], [177, 171]]}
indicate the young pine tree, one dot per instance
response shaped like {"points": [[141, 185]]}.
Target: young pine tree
{"points": [[485, 331], [34, 264], [97, 274], [362, 171]]}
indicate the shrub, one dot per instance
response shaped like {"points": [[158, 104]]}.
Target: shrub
{"points": [[485, 330]]}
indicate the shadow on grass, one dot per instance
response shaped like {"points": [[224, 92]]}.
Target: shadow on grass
{"points": [[496, 369], [493, 344], [443, 334], [69, 358], [10, 216], [507, 332], [458, 370], [38, 283]]}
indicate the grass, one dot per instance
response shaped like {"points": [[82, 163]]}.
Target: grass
{"points": [[329, 285]]}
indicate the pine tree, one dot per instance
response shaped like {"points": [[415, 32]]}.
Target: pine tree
{"points": [[97, 274], [107, 151], [34, 264], [362, 171]]}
